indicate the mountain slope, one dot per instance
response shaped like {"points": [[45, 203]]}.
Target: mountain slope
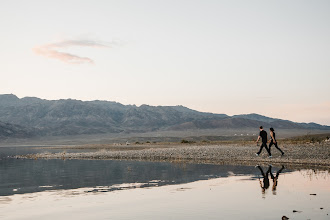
{"points": [[14, 131], [280, 123], [69, 117], [72, 117]]}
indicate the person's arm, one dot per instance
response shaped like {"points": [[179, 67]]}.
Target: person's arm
{"points": [[272, 135], [258, 139]]}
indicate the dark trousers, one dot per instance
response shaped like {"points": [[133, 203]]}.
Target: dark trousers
{"points": [[277, 173], [265, 176], [275, 178], [275, 144], [264, 145]]}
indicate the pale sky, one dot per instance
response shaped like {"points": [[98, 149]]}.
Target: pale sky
{"points": [[232, 57]]}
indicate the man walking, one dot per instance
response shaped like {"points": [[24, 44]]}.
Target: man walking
{"points": [[263, 136]]}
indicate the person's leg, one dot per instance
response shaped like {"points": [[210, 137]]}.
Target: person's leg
{"points": [[265, 145], [270, 172], [266, 179], [278, 148], [270, 145], [279, 171], [262, 172], [261, 146]]}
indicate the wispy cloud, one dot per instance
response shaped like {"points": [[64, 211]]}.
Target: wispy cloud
{"points": [[53, 50]]}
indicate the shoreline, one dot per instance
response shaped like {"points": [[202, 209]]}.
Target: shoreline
{"points": [[296, 155]]}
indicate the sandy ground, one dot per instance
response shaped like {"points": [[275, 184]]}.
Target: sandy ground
{"points": [[296, 155]]}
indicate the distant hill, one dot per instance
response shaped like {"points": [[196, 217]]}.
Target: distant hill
{"points": [[280, 123], [74, 117], [256, 117], [15, 131]]}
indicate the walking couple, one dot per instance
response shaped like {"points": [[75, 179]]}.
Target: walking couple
{"points": [[263, 136], [265, 184]]}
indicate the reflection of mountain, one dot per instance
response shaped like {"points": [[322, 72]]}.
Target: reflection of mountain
{"points": [[74, 117], [26, 176]]}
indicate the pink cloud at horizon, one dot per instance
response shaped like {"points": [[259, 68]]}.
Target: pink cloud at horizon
{"points": [[52, 51]]}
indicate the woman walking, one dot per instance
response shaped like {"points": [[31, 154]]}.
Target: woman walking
{"points": [[273, 141]]}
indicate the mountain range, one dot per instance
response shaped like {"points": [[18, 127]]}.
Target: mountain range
{"points": [[31, 116]]}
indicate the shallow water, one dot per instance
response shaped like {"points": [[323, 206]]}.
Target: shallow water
{"points": [[112, 189]]}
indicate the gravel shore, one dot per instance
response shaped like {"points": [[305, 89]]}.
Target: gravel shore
{"points": [[298, 155]]}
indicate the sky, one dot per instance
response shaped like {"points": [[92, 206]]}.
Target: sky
{"points": [[219, 56]]}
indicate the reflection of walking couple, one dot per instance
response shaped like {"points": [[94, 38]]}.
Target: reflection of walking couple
{"points": [[263, 136], [265, 184]]}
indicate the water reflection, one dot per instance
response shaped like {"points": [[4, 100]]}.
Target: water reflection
{"points": [[275, 178], [104, 189], [232, 197], [264, 184], [19, 176], [27, 176]]}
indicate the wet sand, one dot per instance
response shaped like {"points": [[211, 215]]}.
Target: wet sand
{"points": [[296, 155]]}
